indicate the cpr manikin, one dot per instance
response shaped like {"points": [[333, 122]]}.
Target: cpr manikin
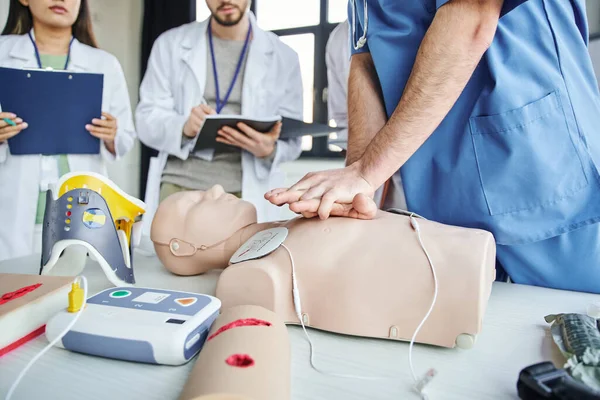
{"points": [[366, 278]]}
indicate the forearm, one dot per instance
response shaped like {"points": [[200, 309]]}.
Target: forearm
{"points": [[366, 112], [458, 37]]}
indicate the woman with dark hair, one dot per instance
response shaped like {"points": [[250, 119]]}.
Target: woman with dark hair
{"points": [[54, 34]]}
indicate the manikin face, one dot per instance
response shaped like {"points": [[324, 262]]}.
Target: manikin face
{"points": [[54, 13], [227, 12], [201, 218]]}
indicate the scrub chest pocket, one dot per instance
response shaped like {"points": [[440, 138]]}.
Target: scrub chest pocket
{"points": [[526, 157]]}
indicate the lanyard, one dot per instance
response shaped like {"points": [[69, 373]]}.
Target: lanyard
{"points": [[37, 53], [221, 104]]}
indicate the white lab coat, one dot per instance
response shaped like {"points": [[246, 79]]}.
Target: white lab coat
{"points": [[22, 177], [174, 83], [337, 59]]}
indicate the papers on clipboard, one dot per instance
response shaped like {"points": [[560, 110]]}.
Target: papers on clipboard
{"points": [[56, 106], [291, 128]]}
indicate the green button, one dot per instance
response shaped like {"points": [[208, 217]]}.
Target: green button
{"points": [[120, 293]]}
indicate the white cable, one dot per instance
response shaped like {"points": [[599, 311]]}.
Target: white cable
{"points": [[59, 337], [419, 384], [298, 308]]}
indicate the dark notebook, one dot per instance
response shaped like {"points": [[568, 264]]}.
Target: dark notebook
{"points": [[291, 128]]}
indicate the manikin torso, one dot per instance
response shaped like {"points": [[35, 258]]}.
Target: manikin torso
{"points": [[359, 277]]}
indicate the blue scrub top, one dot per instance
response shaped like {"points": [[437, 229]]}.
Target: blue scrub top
{"points": [[517, 155]]}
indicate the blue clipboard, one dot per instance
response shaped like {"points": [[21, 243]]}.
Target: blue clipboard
{"points": [[56, 105]]}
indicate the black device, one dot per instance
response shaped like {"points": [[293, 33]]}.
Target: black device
{"points": [[545, 381]]}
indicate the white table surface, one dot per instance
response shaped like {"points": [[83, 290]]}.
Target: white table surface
{"points": [[514, 336]]}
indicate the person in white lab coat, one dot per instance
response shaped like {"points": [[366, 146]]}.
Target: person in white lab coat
{"points": [[57, 34], [191, 70], [337, 60]]}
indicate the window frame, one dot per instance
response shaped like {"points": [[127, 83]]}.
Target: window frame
{"points": [[321, 32]]}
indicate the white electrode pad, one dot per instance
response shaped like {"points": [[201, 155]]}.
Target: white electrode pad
{"points": [[263, 243]]}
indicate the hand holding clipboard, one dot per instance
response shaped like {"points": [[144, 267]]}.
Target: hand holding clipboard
{"points": [[10, 125], [39, 96]]}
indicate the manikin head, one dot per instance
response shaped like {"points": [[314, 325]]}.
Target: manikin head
{"points": [[192, 231]]}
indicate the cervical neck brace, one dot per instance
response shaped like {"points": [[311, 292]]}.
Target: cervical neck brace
{"points": [[78, 214]]}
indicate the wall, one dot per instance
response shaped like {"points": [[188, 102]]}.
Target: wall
{"points": [[118, 28], [3, 12]]}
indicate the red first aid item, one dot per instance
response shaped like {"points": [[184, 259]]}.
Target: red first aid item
{"points": [[6, 297]]}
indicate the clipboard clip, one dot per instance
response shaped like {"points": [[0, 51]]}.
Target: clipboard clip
{"points": [[48, 69]]}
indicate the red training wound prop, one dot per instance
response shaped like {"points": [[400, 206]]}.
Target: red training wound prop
{"points": [[6, 297], [240, 360], [238, 323]]}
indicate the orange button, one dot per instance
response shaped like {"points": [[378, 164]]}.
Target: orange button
{"points": [[186, 301]]}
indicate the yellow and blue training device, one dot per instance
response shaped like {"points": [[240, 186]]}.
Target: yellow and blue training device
{"points": [[88, 209]]}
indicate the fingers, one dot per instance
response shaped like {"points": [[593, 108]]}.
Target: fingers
{"points": [[294, 193], [107, 123], [9, 131], [233, 135], [108, 116], [309, 214], [7, 115], [230, 143], [275, 131], [104, 138], [309, 180], [100, 130], [198, 112], [314, 192], [327, 202], [364, 205], [253, 134], [311, 208], [273, 192], [4, 124], [207, 109], [287, 197]]}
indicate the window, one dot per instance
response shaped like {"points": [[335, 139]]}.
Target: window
{"points": [[304, 45], [202, 11], [285, 14], [337, 10]]}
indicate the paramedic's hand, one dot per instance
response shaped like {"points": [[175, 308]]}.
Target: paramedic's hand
{"points": [[362, 207], [6, 130], [260, 144], [196, 119], [105, 129], [337, 186]]}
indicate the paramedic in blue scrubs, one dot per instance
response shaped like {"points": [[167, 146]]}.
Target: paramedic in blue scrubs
{"points": [[490, 111]]}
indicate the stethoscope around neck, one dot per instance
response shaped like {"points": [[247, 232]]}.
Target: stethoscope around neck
{"points": [[363, 39]]}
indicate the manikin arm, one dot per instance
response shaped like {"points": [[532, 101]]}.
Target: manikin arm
{"points": [[246, 357]]}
